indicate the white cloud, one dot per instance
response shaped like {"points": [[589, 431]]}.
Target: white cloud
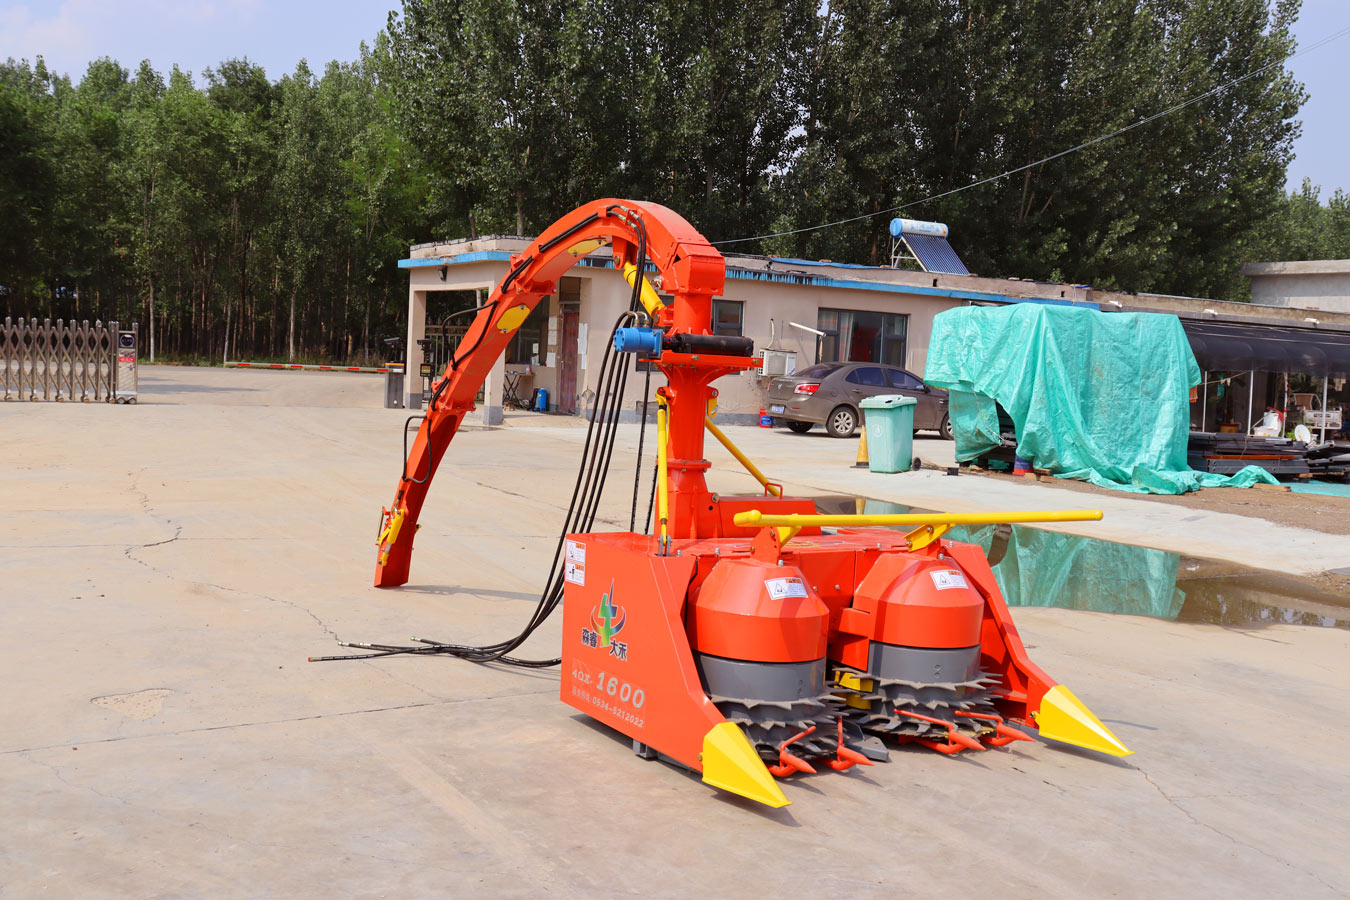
{"points": [[72, 33], [60, 36]]}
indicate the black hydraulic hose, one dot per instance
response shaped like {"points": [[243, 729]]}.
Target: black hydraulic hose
{"points": [[642, 434], [651, 500], [597, 452], [457, 356], [430, 457], [463, 312], [454, 357], [633, 304], [591, 489], [595, 464], [612, 382], [587, 490], [553, 242], [511, 276]]}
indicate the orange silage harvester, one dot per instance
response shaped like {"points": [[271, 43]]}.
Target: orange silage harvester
{"points": [[746, 637]]}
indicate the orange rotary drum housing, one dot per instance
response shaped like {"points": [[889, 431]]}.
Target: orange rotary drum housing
{"points": [[758, 611], [930, 604]]}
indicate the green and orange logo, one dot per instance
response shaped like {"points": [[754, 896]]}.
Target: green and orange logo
{"points": [[608, 620]]}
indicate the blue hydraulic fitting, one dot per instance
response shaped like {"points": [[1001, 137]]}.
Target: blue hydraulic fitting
{"points": [[643, 341]]}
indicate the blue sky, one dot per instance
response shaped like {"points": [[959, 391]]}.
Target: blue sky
{"points": [[278, 33]]}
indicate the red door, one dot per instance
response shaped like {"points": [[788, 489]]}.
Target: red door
{"points": [[567, 360]]}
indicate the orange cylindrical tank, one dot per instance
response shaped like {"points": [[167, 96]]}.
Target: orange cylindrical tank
{"points": [[757, 611], [931, 604]]}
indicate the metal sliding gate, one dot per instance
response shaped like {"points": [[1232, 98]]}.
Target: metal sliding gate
{"points": [[67, 361]]}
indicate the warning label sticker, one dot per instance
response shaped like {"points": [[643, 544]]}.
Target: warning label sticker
{"points": [[574, 573], [783, 588], [948, 578], [574, 563]]}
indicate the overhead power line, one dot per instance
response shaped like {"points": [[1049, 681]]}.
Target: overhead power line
{"points": [[1031, 165]]}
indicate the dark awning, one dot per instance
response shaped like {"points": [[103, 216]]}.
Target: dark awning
{"points": [[1231, 347]]}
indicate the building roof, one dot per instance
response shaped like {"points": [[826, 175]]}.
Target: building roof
{"points": [[1298, 267], [1232, 347], [851, 276], [1201, 309], [787, 270]]}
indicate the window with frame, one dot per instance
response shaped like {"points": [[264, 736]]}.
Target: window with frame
{"points": [[569, 290], [854, 335], [903, 380], [728, 317], [868, 376], [531, 332]]}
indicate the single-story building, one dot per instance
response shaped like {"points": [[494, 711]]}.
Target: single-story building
{"points": [[821, 311], [811, 311], [1313, 284]]}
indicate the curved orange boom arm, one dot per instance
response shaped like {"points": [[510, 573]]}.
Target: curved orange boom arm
{"points": [[691, 269]]}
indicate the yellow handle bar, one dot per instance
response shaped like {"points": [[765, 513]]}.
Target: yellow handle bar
{"points": [[930, 526], [796, 520]]}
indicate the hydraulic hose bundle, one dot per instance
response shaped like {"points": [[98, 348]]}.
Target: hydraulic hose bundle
{"points": [[592, 473]]}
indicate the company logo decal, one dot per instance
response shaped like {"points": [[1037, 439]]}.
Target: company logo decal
{"points": [[607, 620]]}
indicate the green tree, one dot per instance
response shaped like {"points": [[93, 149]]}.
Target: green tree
{"points": [[1020, 81], [245, 102], [28, 180], [140, 179], [303, 186]]}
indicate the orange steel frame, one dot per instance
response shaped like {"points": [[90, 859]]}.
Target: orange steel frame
{"points": [[690, 269], [648, 686]]}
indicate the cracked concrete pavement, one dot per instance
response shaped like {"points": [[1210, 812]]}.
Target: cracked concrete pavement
{"points": [[209, 539]]}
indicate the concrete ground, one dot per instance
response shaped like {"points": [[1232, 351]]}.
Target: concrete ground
{"points": [[167, 568]]}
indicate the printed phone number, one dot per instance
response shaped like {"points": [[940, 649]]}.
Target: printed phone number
{"points": [[617, 712]]}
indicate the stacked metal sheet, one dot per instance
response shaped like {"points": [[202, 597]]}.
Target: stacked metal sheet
{"points": [[1226, 454]]}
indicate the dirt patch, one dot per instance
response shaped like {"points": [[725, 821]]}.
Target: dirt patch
{"points": [[140, 705], [1330, 581], [1324, 587], [1316, 512]]}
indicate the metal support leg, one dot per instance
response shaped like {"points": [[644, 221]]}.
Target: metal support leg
{"points": [[1204, 399], [1251, 390], [1323, 438]]}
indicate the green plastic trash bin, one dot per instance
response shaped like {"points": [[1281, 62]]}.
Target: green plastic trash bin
{"points": [[889, 420]]}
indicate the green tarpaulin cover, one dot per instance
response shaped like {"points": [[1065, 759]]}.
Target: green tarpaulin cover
{"points": [[1068, 571], [1035, 567], [1101, 397]]}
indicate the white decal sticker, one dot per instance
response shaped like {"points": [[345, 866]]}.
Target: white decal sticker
{"points": [[574, 573], [576, 552], [948, 578], [783, 588]]}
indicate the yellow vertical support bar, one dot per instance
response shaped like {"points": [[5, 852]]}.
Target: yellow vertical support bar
{"points": [[662, 490]]}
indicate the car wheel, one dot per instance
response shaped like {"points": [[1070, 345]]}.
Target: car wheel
{"points": [[799, 427], [842, 422], [945, 429]]}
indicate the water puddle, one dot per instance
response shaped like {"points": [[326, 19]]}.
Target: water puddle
{"points": [[1035, 567]]}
